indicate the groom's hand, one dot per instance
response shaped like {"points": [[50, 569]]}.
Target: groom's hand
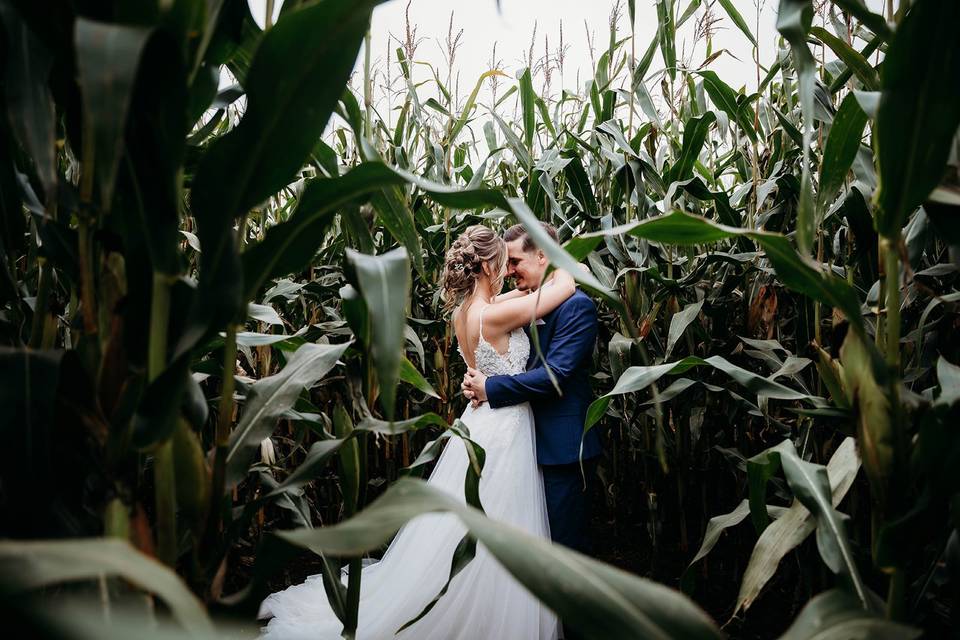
{"points": [[474, 386]]}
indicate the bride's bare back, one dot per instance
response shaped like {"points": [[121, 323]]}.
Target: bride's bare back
{"points": [[468, 328]]}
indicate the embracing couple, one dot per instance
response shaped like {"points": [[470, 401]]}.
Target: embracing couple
{"points": [[531, 434]]}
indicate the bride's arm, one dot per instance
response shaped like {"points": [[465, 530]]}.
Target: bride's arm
{"points": [[510, 295], [516, 312]]}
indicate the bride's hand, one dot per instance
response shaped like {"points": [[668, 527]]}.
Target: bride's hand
{"points": [[474, 387]]}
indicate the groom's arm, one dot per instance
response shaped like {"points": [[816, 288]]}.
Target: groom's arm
{"points": [[573, 340]]}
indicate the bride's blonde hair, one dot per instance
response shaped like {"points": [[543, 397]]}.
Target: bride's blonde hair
{"points": [[463, 265]]}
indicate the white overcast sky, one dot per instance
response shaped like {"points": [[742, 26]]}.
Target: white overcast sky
{"points": [[512, 24]]}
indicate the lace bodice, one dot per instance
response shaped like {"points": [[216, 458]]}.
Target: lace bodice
{"points": [[493, 363]]}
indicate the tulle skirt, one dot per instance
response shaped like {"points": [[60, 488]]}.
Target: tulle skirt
{"points": [[484, 600]]}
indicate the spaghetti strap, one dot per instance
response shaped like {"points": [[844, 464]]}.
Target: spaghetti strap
{"points": [[482, 339]]}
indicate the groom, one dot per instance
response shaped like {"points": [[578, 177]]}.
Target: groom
{"points": [[566, 337]]}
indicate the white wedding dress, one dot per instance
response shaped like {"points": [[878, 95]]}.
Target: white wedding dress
{"points": [[483, 601]]}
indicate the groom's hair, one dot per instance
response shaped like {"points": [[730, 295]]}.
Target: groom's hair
{"points": [[518, 231]]}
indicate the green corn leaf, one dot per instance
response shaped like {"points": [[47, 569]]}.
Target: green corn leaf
{"points": [[919, 110], [639, 378], [528, 107], [726, 100], [679, 323], [793, 21], [867, 386], [471, 100], [29, 101], [392, 210], [794, 526], [797, 272], [271, 397], [320, 453], [837, 615], [851, 57], [738, 20], [30, 565], [643, 65], [811, 485], [410, 375], [715, 527], [841, 80], [841, 148], [666, 36], [384, 283], [872, 21], [760, 469], [688, 12], [107, 59], [295, 81], [694, 135]]}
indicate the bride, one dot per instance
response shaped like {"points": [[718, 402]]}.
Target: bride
{"points": [[483, 601]]}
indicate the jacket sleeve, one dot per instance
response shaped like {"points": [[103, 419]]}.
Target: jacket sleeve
{"points": [[572, 343]]}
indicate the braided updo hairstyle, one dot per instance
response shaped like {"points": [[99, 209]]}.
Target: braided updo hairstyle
{"points": [[463, 266]]}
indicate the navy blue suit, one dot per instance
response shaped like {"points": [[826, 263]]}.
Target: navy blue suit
{"points": [[567, 338]]}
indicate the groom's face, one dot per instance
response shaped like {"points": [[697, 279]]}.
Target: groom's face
{"points": [[525, 267]]}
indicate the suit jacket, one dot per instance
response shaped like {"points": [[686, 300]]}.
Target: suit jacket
{"points": [[567, 338]]}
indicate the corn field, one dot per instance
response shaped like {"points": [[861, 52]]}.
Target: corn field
{"points": [[225, 364]]}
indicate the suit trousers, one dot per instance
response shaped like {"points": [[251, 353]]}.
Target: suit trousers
{"points": [[569, 495]]}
